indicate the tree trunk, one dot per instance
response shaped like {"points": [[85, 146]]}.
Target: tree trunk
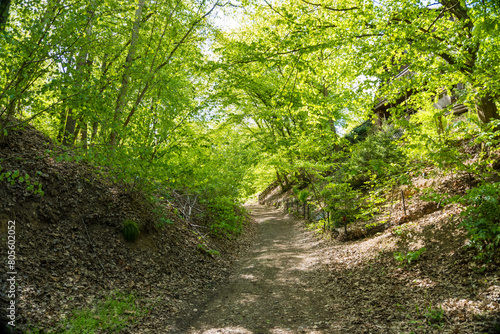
{"points": [[4, 14], [487, 109], [287, 182], [81, 128], [69, 128], [93, 137], [96, 122], [84, 136], [280, 181], [69, 135], [121, 100], [7, 118]]}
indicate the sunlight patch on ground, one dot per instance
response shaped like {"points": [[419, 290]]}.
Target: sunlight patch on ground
{"points": [[289, 331], [466, 308], [423, 283], [359, 253], [236, 330], [247, 298], [248, 277]]}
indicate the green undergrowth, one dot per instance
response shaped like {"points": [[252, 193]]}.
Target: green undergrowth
{"points": [[408, 258], [481, 219], [130, 230], [111, 315], [226, 216], [369, 182]]}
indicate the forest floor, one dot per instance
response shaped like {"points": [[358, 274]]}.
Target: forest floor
{"points": [[71, 255], [293, 282], [278, 277], [269, 291]]}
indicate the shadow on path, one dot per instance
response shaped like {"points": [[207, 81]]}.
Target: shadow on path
{"points": [[268, 291]]}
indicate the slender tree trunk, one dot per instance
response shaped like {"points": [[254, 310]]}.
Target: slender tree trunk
{"points": [[4, 14], [278, 177], [84, 136], [95, 123], [93, 137], [62, 121], [487, 109], [287, 182], [121, 100], [69, 135], [10, 112], [69, 128], [81, 128]]}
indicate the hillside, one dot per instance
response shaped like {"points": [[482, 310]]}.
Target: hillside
{"points": [[70, 250], [412, 273]]}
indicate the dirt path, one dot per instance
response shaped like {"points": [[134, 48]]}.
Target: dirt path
{"points": [[270, 289]]}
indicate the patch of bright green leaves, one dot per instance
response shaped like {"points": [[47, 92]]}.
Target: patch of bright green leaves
{"points": [[403, 231], [111, 315], [162, 221], [434, 315], [226, 219], [408, 258], [204, 248], [15, 176], [481, 218]]}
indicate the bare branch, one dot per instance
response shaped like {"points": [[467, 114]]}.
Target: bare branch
{"points": [[330, 8]]}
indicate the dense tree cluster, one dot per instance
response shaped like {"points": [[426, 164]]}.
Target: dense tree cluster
{"points": [[156, 89]]}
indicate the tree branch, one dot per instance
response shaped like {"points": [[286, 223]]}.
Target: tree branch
{"points": [[330, 8]]}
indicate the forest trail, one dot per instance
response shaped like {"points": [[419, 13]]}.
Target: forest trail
{"points": [[271, 289]]}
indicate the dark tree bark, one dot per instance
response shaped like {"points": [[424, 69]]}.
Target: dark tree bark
{"points": [[4, 14], [69, 129], [487, 109], [121, 100]]}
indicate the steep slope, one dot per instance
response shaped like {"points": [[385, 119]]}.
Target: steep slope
{"points": [[70, 251], [414, 275]]}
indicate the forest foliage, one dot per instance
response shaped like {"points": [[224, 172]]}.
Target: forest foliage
{"points": [[168, 99]]}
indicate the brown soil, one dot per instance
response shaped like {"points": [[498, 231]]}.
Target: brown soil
{"points": [[70, 251], [71, 254], [269, 291]]}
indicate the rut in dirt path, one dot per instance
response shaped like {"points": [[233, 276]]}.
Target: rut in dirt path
{"points": [[271, 289]]}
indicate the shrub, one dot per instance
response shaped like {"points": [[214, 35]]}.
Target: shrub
{"points": [[130, 230], [434, 315], [162, 222], [481, 218], [342, 202], [303, 195], [225, 214], [409, 257], [360, 132], [378, 156]]}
